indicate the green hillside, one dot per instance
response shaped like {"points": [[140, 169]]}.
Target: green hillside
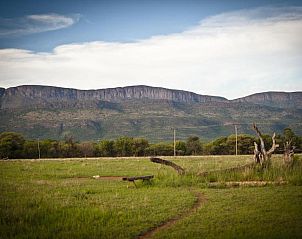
{"points": [[151, 119]]}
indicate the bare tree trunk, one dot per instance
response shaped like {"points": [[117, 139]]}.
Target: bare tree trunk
{"points": [[261, 156], [288, 153]]}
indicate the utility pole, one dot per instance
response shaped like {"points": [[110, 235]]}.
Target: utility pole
{"points": [[236, 140], [174, 142], [39, 148]]}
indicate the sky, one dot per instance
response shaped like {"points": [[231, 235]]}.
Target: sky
{"points": [[230, 48]]}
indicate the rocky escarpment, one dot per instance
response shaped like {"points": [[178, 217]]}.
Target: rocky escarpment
{"points": [[47, 96], [140, 111], [274, 99]]}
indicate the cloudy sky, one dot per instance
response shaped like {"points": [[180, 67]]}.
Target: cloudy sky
{"points": [[226, 48]]}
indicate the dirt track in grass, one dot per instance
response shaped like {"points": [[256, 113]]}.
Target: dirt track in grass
{"points": [[200, 200]]}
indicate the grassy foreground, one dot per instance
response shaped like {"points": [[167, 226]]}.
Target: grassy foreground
{"points": [[60, 199]]}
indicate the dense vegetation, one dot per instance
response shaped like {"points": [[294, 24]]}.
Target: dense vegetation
{"points": [[14, 145]]}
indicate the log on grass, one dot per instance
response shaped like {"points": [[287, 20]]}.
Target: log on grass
{"points": [[227, 170], [179, 169], [132, 179]]}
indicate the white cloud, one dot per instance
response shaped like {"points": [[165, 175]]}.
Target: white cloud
{"points": [[232, 55], [14, 27]]}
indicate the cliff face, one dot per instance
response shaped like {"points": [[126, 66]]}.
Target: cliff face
{"points": [[55, 97], [275, 99], [44, 96]]}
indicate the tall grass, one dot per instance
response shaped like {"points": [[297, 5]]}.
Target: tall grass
{"points": [[276, 173]]}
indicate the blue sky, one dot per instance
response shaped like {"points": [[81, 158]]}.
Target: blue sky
{"points": [[116, 20], [175, 44]]}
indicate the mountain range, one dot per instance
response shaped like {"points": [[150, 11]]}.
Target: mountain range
{"points": [[142, 111]]}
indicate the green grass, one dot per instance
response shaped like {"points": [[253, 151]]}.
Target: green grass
{"points": [[60, 199], [262, 212]]}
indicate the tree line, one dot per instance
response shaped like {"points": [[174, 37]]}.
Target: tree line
{"points": [[14, 145]]}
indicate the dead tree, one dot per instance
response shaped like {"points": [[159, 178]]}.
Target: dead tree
{"points": [[288, 155], [261, 156], [179, 169]]}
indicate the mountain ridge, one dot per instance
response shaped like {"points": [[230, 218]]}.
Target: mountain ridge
{"points": [[142, 111], [278, 99], [51, 94]]}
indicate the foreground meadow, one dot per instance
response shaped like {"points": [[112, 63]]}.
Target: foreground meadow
{"points": [[60, 199]]}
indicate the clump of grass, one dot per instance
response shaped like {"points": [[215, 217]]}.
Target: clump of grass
{"points": [[277, 172]]}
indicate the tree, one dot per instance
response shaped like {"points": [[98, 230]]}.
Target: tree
{"points": [[139, 146], [105, 148], [86, 149], [193, 145], [261, 155], [69, 147], [124, 146], [288, 156], [244, 144], [11, 145], [217, 147], [30, 149], [181, 148], [160, 149]]}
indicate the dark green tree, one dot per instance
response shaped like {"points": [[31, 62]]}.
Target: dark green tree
{"points": [[217, 147], [181, 147], [105, 148], [160, 149], [30, 149], [11, 145], [193, 146], [139, 146], [124, 146]]}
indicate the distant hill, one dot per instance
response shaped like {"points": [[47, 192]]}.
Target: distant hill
{"points": [[46, 96], [141, 111], [275, 99]]}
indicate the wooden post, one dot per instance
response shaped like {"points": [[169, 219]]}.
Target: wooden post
{"points": [[174, 143], [39, 148], [236, 140]]}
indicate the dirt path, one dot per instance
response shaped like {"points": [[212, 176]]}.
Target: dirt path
{"points": [[200, 199]]}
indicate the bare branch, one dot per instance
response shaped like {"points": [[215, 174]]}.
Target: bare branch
{"points": [[260, 137], [274, 146], [256, 153]]}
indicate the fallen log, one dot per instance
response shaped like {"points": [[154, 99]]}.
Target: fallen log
{"points": [[179, 169], [233, 169], [132, 179], [144, 178]]}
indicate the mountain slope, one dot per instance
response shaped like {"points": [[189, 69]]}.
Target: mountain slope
{"points": [[138, 111], [275, 99]]}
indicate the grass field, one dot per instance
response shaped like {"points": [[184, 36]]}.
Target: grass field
{"points": [[60, 199]]}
